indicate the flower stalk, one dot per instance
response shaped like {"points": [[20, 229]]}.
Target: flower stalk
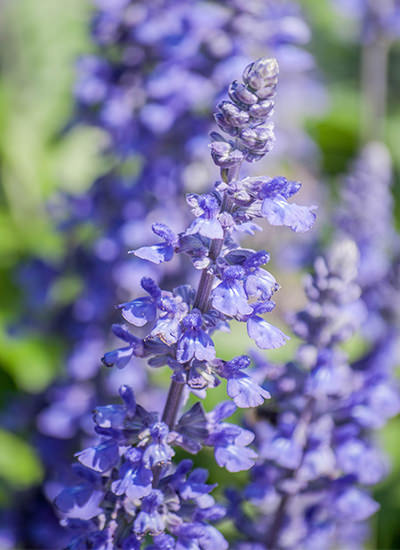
{"points": [[136, 477], [374, 68]]}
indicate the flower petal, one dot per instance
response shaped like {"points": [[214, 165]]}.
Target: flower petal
{"points": [[265, 335], [139, 312], [157, 253], [245, 392], [280, 212]]}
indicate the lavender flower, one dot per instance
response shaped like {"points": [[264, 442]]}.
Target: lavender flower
{"points": [[309, 483], [148, 85], [379, 281], [365, 193], [137, 480], [153, 64]]}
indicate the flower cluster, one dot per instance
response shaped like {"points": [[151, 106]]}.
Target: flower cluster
{"points": [[121, 471], [138, 487], [233, 284], [313, 437], [172, 59], [366, 195], [153, 63], [154, 75], [379, 276]]}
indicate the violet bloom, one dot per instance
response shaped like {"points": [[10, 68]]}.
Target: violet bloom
{"points": [[229, 297], [100, 458], [259, 282], [134, 478], [229, 440], [145, 440], [265, 335], [316, 455], [121, 356], [153, 73], [241, 387], [366, 195], [194, 342], [207, 224], [159, 253]]}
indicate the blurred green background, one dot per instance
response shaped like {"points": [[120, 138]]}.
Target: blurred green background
{"points": [[39, 41]]}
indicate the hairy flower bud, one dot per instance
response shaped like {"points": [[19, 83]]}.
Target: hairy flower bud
{"points": [[246, 116]]}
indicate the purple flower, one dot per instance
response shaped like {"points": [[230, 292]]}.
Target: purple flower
{"points": [[244, 391], [101, 458], [135, 478], [352, 504], [265, 335], [195, 488], [284, 451], [158, 452], [139, 312], [171, 312], [280, 212], [229, 296], [194, 342], [81, 502], [259, 283], [207, 224], [162, 252], [93, 76], [230, 441], [149, 520], [121, 356], [356, 457], [113, 417]]}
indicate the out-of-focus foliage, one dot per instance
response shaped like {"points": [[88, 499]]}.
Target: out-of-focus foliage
{"points": [[20, 465], [39, 41]]}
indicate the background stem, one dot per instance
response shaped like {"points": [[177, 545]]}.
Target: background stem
{"points": [[374, 67]]}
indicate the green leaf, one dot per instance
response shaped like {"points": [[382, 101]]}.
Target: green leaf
{"points": [[19, 464], [31, 361]]}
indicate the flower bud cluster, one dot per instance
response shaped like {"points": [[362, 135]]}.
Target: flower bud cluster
{"points": [[246, 116]]}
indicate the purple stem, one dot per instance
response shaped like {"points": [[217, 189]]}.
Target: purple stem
{"points": [[201, 302], [204, 288], [175, 391], [172, 404]]}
